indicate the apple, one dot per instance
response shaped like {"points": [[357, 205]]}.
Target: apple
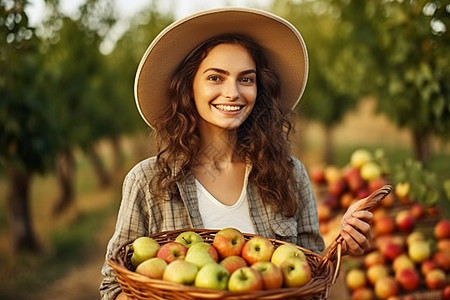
{"points": [[408, 279], [257, 248], [386, 287], [317, 174], [346, 200], [153, 268], [443, 245], [296, 272], [355, 278], [417, 211], [271, 274], [212, 276], [363, 293], [442, 260], [204, 247], [384, 225], [419, 251], [233, 263], [199, 258], [362, 193], [435, 279], [402, 262], [144, 247], [392, 250], [376, 272], [446, 292], [374, 258], [285, 251], [442, 229], [181, 271], [323, 212], [404, 221], [370, 171], [172, 251], [337, 187], [188, 238], [415, 236], [427, 265], [388, 201], [377, 183], [332, 173], [331, 200], [354, 180], [359, 157], [228, 241], [245, 279], [402, 190]]}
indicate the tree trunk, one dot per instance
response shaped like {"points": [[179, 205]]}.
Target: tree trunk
{"points": [[422, 150], [328, 155], [99, 167], [19, 218], [64, 173], [117, 153]]}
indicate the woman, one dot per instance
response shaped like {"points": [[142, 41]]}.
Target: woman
{"points": [[218, 88]]}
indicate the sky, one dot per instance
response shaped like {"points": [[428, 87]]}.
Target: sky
{"points": [[128, 8]]}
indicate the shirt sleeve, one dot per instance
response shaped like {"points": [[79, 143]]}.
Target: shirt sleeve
{"points": [[132, 222], [308, 223]]}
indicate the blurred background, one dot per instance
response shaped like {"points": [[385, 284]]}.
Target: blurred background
{"points": [[69, 129]]}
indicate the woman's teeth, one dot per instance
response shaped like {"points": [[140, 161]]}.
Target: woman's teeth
{"points": [[228, 107]]}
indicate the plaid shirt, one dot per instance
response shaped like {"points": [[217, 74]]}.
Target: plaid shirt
{"points": [[140, 214]]}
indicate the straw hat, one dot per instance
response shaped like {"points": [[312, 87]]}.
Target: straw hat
{"points": [[282, 43]]}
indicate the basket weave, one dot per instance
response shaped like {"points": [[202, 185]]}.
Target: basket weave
{"points": [[324, 269]]}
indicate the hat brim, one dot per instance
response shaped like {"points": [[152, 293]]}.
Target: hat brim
{"points": [[282, 43]]}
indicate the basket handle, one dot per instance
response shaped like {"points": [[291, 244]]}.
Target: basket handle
{"points": [[335, 249]]}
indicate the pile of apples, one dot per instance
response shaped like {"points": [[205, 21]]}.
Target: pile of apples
{"points": [[400, 266], [230, 262]]}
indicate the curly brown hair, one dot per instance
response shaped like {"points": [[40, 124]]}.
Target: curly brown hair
{"points": [[262, 138]]}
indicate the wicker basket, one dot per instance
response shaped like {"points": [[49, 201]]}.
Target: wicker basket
{"points": [[325, 270]]}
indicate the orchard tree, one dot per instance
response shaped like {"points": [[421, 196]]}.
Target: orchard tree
{"points": [[28, 131]]}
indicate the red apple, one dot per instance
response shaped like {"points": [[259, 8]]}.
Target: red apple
{"points": [[376, 184], [257, 248], [392, 250], [364, 293], [270, 273], [346, 200], [408, 279], [337, 187], [443, 245], [388, 201], [442, 259], [446, 292], [427, 265], [296, 272], [355, 278], [374, 258], [402, 262], [317, 174], [405, 221], [172, 251], [228, 242], [442, 229], [212, 276], [332, 201], [384, 225], [386, 287], [417, 211], [362, 193], [376, 272], [232, 263], [435, 279], [354, 179], [245, 280]]}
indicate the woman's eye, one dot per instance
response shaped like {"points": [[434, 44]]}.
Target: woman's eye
{"points": [[214, 78], [247, 80]]}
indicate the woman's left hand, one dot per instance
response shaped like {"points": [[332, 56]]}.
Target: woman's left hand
{"points": [[356, 230]]}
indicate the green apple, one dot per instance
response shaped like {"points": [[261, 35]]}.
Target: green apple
{"points": [[360, 157], [271, 274], [144, 247], [245, 280], [233, 263], [370, 171], [181, 271], [199, 258], [212, 276], [172, 251], [153, 268], [189, 238], [228, 242], [257, 249], [286, 251], [205, 247], [296, 272]]}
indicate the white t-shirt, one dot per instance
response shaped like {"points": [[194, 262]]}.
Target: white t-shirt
{"points": [[216, 215]]}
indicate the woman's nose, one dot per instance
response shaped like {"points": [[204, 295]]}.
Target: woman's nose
{"points": [[231, 91]]}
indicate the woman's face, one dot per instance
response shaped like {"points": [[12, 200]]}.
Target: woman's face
{"points": [[225, 86]]}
